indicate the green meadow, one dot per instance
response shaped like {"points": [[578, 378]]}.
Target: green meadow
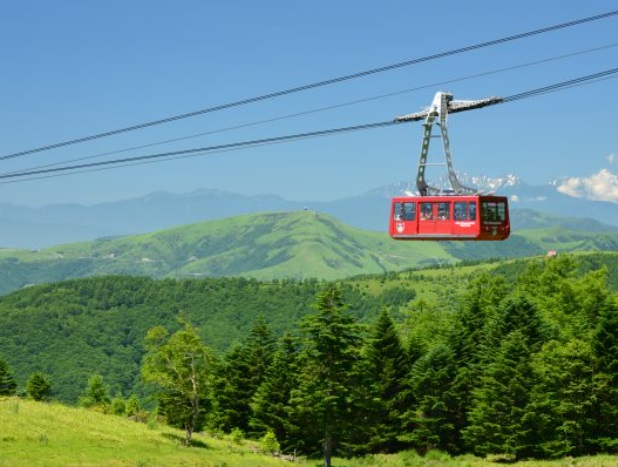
{"points": [[55, 435]]}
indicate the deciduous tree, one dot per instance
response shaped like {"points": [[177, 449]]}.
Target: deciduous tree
{"points": [[181, 368]]}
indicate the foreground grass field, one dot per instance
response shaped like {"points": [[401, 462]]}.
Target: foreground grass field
{"points": [[37, 434]]}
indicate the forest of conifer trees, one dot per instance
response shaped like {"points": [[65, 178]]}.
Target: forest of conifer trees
{"points": [[525, 369]]}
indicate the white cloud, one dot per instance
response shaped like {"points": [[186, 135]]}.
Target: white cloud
{"points": [[611, 158], [515, 198], [602, 186]]}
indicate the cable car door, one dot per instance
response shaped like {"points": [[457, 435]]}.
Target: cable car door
{"points": [[435, 218]]}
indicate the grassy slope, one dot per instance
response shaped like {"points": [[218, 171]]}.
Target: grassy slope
{"points": [[38, 434], [49, 435]]}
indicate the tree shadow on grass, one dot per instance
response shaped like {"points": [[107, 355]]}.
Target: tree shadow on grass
{"points": [[195, 443]]}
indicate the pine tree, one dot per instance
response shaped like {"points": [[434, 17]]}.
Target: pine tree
{"points": [[605, 347], [386, 370], [562, 408], [96, 395], [517, 313], [468, 338], [260, 347], [501, 404], [232, 393], [429, 422], [271, 403], [326, 398], [38, 387], [243, 371], [7, 382]]}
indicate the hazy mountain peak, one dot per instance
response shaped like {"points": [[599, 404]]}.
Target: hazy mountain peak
{"points": [[482, 182]]}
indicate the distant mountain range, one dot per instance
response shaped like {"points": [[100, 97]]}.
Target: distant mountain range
{"points": [[298, 244], [26, 227]]}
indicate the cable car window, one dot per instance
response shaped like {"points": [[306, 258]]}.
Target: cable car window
{"points": [[426, 211], [501, 211], [460, 211], [409, 211], [444, 213], [472, 211], [398, 211], [493, 212], [404, 211]]}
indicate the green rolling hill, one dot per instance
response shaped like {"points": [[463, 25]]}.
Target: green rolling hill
{"points": [[297, 245]]}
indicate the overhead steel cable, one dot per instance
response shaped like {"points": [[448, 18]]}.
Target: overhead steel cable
{"points": [[563, 84], [187, 152], [280, 139], [318, 84], [322, 109]]}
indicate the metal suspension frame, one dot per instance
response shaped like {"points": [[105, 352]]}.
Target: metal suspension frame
{"points": [[437, 114]]}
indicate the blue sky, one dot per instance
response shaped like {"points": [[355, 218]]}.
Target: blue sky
{"points": [[74, 68]]}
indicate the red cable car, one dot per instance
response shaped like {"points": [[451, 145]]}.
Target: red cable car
{"points": [[457, 217], [462, 213]]}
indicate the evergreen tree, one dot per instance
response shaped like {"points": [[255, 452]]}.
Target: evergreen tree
{"points": [[570, 302], [132, 406], [259, 349], [38, 387], [271, 403], [467, 339], [516, 313], [561, 404], [429, 422], [243, 371], [96, 395], [118, 406], [326, 398], [605, 347], [181, 368], [386, 370], [500, 406], [7, 382], [592, 300], [233, 393]]}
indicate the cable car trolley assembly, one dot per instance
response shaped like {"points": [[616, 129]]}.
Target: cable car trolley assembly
{"points": [[460, 213]]}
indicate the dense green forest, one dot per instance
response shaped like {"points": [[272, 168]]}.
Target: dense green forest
{"points": [[516, 358]]}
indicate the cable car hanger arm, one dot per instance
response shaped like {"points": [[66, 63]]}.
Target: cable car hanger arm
{"points": [[437, 113], [453, 107]]}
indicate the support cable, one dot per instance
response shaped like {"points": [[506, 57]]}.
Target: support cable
{"points": [[316, 84], [322, 109], [58, 171]]}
